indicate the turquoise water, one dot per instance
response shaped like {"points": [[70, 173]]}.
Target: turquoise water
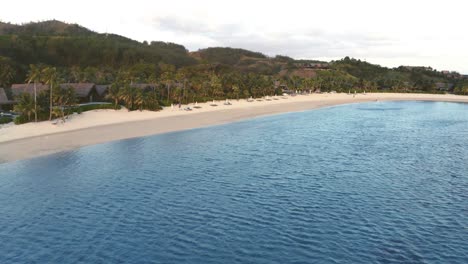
{"points": [[364, 183]]}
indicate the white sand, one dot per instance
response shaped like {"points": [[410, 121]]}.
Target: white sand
{"points": [[98, 126]]}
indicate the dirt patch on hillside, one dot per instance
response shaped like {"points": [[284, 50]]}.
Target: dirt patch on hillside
{"points": [[303, 73]]}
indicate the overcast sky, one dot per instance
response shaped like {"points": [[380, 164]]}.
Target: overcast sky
{"points": [[388, 32]]}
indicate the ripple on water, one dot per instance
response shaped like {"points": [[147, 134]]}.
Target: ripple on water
{"points": [[367, 183]]}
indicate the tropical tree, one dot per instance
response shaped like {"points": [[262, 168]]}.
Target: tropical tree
{"points": [[140, 99], [246, 93], [34, 76], [461, 89], [151, 101], [153, 79], [76, 74], [58, 112], [6, 74], [216, 86], [50, 77], [236, 91], [7, 71], [25, 105], [63, 98], [113, 93], [128, 95], [90, 74], [167, 77], [309, 83], [181, 78]]}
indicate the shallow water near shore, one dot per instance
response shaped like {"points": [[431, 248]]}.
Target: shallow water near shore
{"points": [[362, 183]]}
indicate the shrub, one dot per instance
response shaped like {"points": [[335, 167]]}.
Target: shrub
{"points": [[84, 108], [21, 120], [5, 120]]}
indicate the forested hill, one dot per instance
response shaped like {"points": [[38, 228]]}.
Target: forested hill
{"points": [[66, 45], [80, 55], [226, 55], [46, 28]]}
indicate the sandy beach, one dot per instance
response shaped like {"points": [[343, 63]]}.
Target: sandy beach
{"points": [[99, 126]]}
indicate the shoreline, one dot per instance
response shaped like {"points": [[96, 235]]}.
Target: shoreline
{"points": [[101, 126]]}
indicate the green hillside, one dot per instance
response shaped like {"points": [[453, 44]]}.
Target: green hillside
{"points": [[45, 28], [67, 45], [80, 54]]}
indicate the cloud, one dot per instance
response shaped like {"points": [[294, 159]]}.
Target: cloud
{"points": [[299, 43], [388, 32], [173, 24]]}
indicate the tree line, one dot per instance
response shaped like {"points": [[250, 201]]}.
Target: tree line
{"points": [[53, 52]]}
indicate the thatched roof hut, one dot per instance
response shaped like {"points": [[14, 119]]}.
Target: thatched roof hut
{"points": [[84, 91], [101, 89], [81, 89], [20, 88], [4, 98]]}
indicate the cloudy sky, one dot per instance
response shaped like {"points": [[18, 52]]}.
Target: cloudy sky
{"points": [[387, 32]]}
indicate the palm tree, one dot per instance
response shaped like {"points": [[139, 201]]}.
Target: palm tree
{"points": [[90, 74], [75, 73], [153, 80], [63, 97], [309, 83], [69, 97], [50, 77], [296, 81], [216, 86], [114, 94], [236, 91], [151, 101], [25, 105], [140, 99], [181, 77], [58, 112], [167, 76], [35, 76], [128, 95], [6, 74]]}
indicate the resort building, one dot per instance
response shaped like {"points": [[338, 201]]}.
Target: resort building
{"points": [[20, 88], [101, 90], [4, 101], [452, 74], [282, 87], [444, 87], [85, 92]]}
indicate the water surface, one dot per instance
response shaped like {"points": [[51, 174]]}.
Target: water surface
{"points": [[382, 182]]}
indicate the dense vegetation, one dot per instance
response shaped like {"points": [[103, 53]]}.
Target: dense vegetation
{"points": [[65, 46], [5, 120], [52, 52], [227, 56]]}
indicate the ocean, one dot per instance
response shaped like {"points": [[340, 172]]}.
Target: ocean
{"points": [[380, 182]]}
